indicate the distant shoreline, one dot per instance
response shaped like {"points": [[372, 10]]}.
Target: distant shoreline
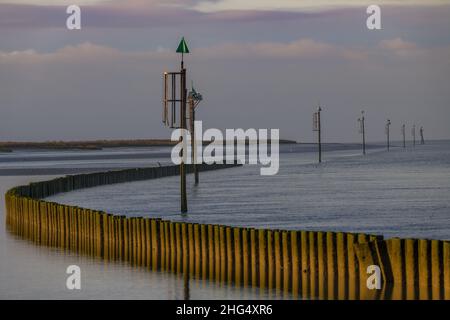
{"points": [[9, 146]]}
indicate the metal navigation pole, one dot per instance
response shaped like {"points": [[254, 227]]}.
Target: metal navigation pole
{"points": [[362, 130], [388, 124], [422, 141], [413, 133], [317, 127], [403, 134], [176, 97], [194, 99]]}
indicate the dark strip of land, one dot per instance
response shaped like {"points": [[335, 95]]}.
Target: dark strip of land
{"points": [[8, 146]]}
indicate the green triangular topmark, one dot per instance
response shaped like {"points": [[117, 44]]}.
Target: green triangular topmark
{"points": [[182, 47]]}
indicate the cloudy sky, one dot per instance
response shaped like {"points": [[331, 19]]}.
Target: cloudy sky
{"points": [[258, 64]]}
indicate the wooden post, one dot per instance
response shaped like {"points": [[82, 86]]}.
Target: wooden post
{"points": [[148, 240], [173, 246], [278, 263], [230, 256], [286, 262], [178, 245], [353, 275], [211, 253], [342, 265], [411, 269], [237, 256], [223, 255], [262, 258], [191, 252], [424, 271], [245, 256], [313, 287], [436, 269], [204, 236], [322, 265], [296, 270], [331, 265], [446, 269], [217, 252], [305, 264], [198, 250], [155, 246], [254, 262]]}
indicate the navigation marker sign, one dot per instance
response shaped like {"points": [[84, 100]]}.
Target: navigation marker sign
{"points": [[182, 47]]}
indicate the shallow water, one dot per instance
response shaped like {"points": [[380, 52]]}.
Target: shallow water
{"points": [[29, 271], [400, 193]]}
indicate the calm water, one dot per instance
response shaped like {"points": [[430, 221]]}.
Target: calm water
{"points": [[403, 193], [400, 193]]}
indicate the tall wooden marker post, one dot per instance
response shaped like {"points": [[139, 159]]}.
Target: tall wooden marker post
{"points": [[174, 103], [413, 133], [317, 127], [362, 130]]}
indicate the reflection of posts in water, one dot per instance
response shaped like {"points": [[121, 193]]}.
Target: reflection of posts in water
{"points": [[186, 284]]}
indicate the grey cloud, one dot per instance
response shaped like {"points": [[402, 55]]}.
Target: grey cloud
{"points": [[90, 91]]}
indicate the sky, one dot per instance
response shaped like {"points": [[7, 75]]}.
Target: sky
{"points": [[258, 64]]}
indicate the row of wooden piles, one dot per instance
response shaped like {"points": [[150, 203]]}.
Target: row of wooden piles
{"points": [[307, 264]]}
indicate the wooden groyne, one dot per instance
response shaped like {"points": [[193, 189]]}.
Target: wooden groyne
{"points": [[307, 264]]}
